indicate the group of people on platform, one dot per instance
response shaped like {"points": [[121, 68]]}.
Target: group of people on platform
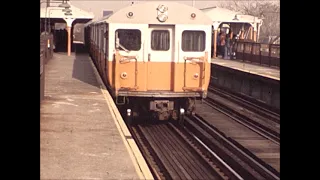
{"points": [[225, 42]]}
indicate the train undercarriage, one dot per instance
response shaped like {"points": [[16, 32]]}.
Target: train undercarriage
{"points": [[161, 109]]}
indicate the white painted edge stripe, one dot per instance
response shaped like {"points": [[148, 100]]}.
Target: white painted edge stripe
{"points": [[138, 160], [251, 72]]}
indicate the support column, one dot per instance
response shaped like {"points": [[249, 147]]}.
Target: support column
{"points": [[251, 33], [242, 32], [215, 27], [69, 25], [215, 32], [69, 40], [255, 32], [255, 36], [258, 30]]}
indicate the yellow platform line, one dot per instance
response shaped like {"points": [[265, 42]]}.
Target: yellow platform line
{"points": [[139, 162]]}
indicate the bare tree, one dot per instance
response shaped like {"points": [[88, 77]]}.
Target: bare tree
{"points": [[269, 11]]}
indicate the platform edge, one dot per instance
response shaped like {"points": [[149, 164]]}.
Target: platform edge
{"points": [[138, 160], [247, 71]]}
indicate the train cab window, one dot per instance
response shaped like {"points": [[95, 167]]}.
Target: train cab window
{"points": [[129, 39], [160, 40], [193, 40]]}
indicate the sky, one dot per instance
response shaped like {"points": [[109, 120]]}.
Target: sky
{"points": [[97, 7]]}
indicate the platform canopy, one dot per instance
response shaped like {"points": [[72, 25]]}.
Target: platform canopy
{"points": [[55, 15], [221, 15], [56, 12], [246, 26]]}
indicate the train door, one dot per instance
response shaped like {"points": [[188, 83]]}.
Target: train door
{"points": [[160, 49], [193, 48]]}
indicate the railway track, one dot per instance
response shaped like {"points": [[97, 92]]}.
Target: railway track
{"points": [[254, 117], [254, 134], [174, 153], [228, 143], [222, 141], [248, 103], [246, 164]]}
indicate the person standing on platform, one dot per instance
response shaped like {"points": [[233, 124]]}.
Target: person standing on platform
{"points": [[218, 45], [227, 47], [222, 44]]}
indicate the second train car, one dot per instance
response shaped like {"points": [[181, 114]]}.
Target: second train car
{"points": [[154, 57]]}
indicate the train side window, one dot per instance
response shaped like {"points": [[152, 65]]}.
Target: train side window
{"points": [[94, 35], [91, 36], [101, 38], [129, 39], [98, 37], [160, 40], [107, 42], [92, 30], [104, 39], [193, 41]]}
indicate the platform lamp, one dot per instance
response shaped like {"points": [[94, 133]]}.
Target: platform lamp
{"points": [[68, 13], [64, 4], [66, 10], [235, 18], [63, 10], [45, 19]]}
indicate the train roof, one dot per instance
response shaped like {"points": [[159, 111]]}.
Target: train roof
{"points": [[146, 13]]}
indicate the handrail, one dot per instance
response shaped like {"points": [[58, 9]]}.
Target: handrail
{"points": [[126, 59], [46, 53]]}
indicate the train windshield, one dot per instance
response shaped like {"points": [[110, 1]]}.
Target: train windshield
{"points": [[128, 39], [193, 41]]}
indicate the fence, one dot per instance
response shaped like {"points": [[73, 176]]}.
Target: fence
{"points": [[256, 53], [46, 53]]}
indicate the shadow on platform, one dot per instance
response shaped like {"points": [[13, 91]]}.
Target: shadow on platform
{"points": [[82, 69]]}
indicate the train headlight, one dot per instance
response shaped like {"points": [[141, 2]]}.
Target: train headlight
{"points": [[130, 14], [181, 111], [162, 17], [193, 15], [162, 13], [128, 112], [123, 75], [162, 8]]}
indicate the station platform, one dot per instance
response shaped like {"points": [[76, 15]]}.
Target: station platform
{"points": [[82, 135], [268, 72]]}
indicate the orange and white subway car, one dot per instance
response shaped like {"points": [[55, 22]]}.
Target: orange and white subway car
{"points": [[154, 57]]}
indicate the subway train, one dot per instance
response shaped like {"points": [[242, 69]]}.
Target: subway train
{"points": [[154, 58]]}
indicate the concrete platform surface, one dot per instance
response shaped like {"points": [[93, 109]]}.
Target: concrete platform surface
{"points": [[78, 137], [250, 68]]}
